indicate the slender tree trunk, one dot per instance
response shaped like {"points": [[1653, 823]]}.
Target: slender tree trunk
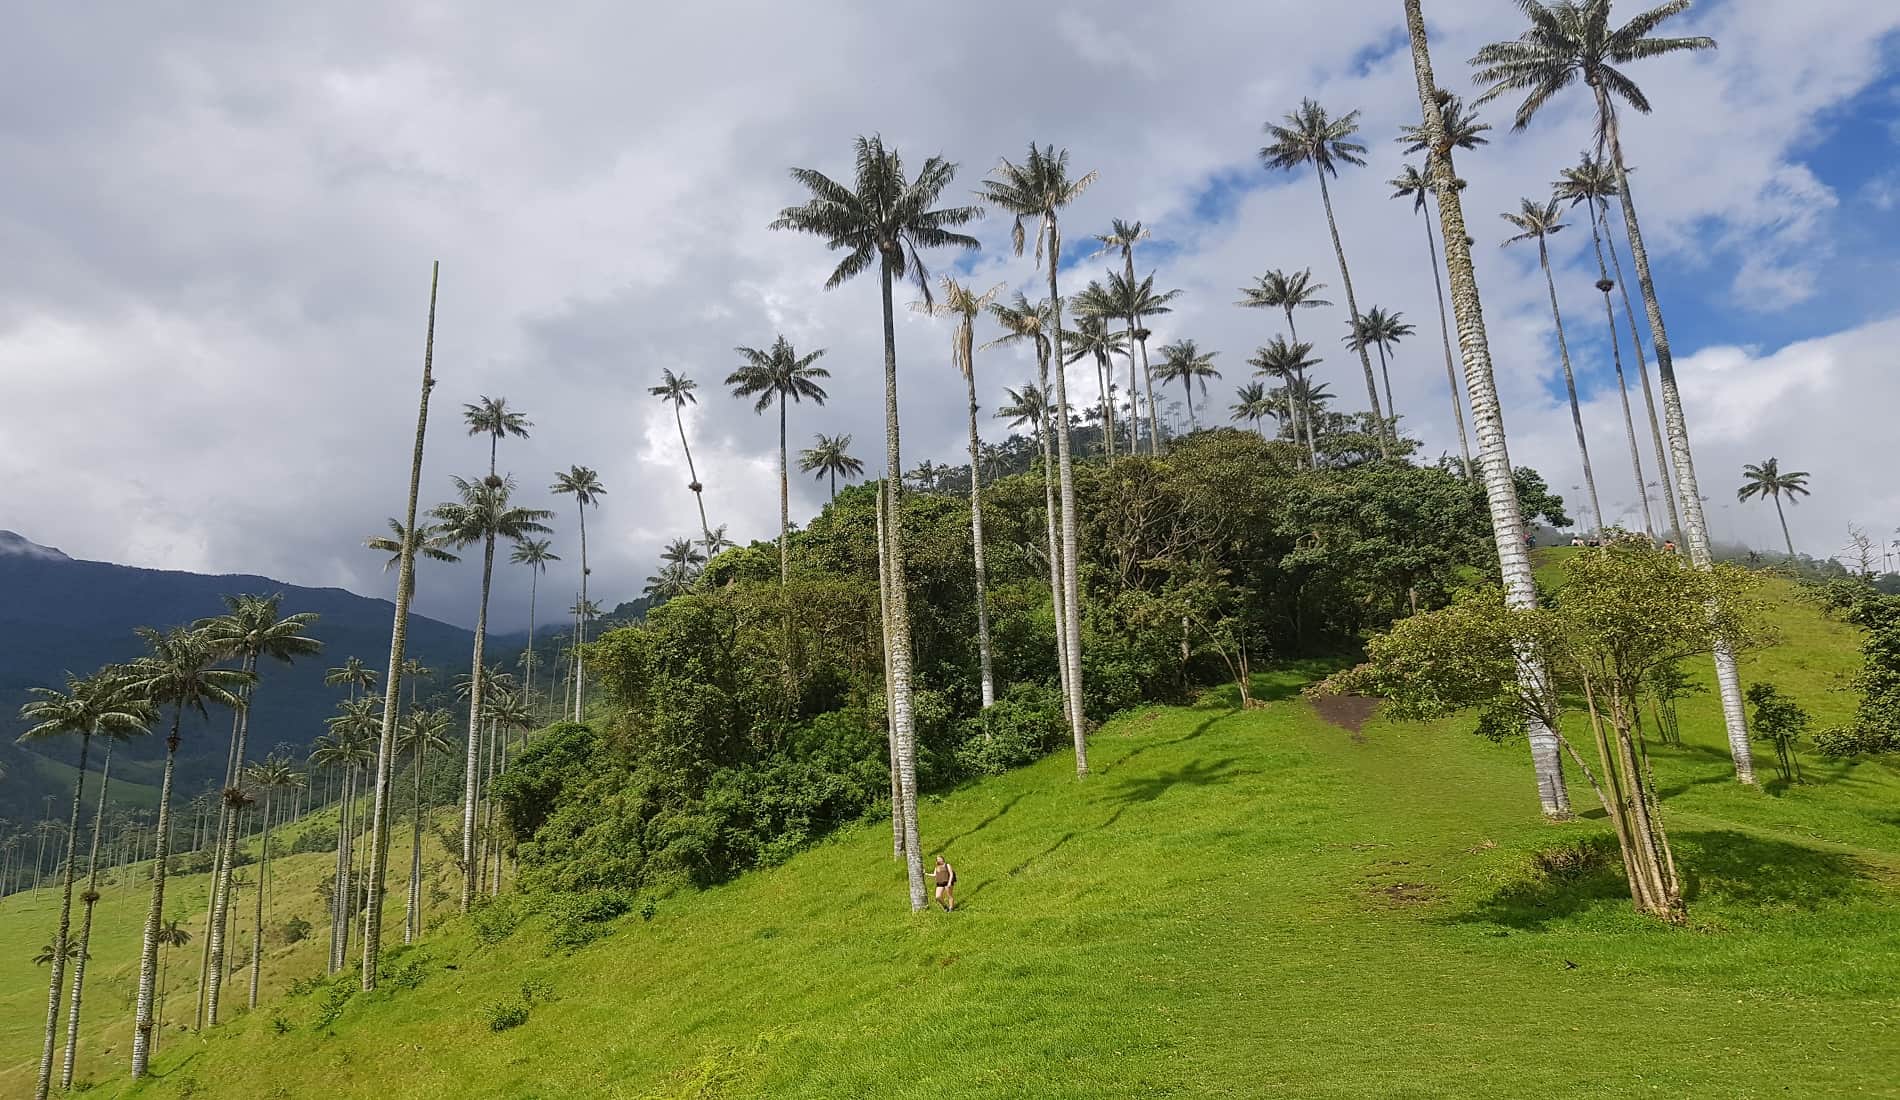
{"points": [[1494, 463], [217, 867], [1352, 310], [56, 985], [148, 950], [412, 917], [91, 898], [1187, 384], [699, 497], [1148, 388], [580, 624], [534, 590], [473, 760], [1305, 416], [1783, 517], [976, 528], [1065, 469], [1616, 357], [1444, 332], [1570, 385], [784, 507], [257, 928], [1727, 678], [398, 643], [221, 911], [900, 608], [1663, 477], [890, 694]]}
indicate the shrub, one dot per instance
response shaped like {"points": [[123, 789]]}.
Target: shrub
{"points": [[575, 920], [318, 836], [1017, 729], [503, 1015], [1569, 862], [279, 1023], [335, 998], [494, 919], [295, 930]]}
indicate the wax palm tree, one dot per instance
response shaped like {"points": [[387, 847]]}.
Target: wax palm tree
{"points": [[1252, 405], [509, 713], [1091, 338], [1768, 481], [493, 418], [1122, 236], [1289, 363], [1572, 41], [347, 747], [827, 457], [88, 707], [1537, 221], [677, 391], [583, 484], [964, 305], [1280, 290], [1141, 300], [431, 543], [423, 732], [684, 553], [1487, 416], [1185, 362], [1312, 136], [269, 775], [170, 934], [771, 376], [352, 674], [1410, 183], [56, 950], [535, 554], [669, 582], [176, 672], [482, 514], [716, 540], [1384, 331], [887, 217], [1592, 184]]}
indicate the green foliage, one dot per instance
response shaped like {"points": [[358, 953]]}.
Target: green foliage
{"points": [[577, 919], [315, 836], [295, 930], [503, 1015], [1876, 725], [1020, 728], [494, 919], [1781, 720], [335, 998]]}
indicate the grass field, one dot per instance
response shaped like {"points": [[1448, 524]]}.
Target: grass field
{"points": [[1236, 904]]}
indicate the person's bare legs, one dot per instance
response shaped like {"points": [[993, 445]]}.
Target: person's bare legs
{"points": [[948, 895]]}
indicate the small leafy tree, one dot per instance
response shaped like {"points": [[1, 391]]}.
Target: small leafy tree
{"points": [[1666, 684], [1781, 720]]}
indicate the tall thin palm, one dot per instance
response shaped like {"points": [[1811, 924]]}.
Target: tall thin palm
{"points": [[176, 672], [347, 747], [172, 933], [483, 513], [1592, 183], [1384, 331], [1410, 183], [583, 484], [1122, 236], [423, 732], [1039, 188], [430, 544], [1280, 290], [88, 707], [677, 391], [1570, 41], [535, 554], [492, 417], [1183, 361], [1091, 338], [887, 217], [1289, 362], [827, 457], [771, 376], [1312, 136], [965, 305], [270, 775], [1487, 415], [1252, 405], [1537, 221], [1768, 481], [1141, 300]]}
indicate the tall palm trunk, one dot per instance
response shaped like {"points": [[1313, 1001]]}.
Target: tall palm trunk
{"points": [[1727, 677], [784, 507], [1065, 469], [343, 894], [1663, 477], [1105, 375], [148, 950], [1352, 311], [91, 898], [1054, 543], [1444, 332], [1391, 406], [217, 866], [1487, 418], [221, 908], [884, 638], [1148, 389], [900, 603], [580, 620], [1187, 385], [1301, 416], [699, 497], [412, 915], [472, 763], [1783, 517], [1570, 385], [534, 591], [984, 659], [257, 927], [1616, 357], [398, 643], [56, 986]]}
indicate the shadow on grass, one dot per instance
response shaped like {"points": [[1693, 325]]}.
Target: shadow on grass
{"points": [[945, 844], [1717, 865], [1206, 724]]}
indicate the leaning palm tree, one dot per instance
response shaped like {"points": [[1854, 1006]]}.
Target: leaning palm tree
{"points": [[827, 457], [677, 391], [771, 376], [423, 732], [535, 554], [251, 629], [1384, 331], [1410, 183], [1592, 184], [1768, 481], [88, 707], [1571, 41], [1287, 292], [1537, 221], [1185, 362], [886, 217], [269, 775], [1122, 236], [965, 305], [1487, 415], [583, 484], [1312, 136], [493, 418], [1252, 405], [482, 514], [177, 672]]}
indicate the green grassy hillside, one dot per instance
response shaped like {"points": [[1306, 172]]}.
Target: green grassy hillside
{"points": [[1259, 903]]}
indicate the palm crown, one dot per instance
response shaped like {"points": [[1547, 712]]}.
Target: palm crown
{"points": [[533, 553], [776, 372], [1767, 479], [90, 706], [430, 543], [1029, 405], [1536, 221], [581, 483], [1571, 40], [1036, 188], [1283, 359], [1378, 328], [829, 456], [1022, 321], [1279, 290], [965, 305], [1462, 128], [675, 389], [1185, 362], [178, 670], [1311, 136], [484, 511], [1593, 180], [252, 628]]}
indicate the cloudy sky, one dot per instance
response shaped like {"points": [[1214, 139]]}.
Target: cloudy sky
{"points": [[218, 221]]}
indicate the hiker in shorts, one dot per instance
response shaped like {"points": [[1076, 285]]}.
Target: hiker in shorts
{"points": [[946, 880]]}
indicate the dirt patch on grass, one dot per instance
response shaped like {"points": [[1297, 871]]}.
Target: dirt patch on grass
{"points": [[1405, 893], [1348, 712]]}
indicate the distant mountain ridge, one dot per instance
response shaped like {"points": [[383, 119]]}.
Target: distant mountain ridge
{"points": [[58, 613]]}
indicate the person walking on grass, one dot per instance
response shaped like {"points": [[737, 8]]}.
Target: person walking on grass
{"points": [[946, 880]]}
